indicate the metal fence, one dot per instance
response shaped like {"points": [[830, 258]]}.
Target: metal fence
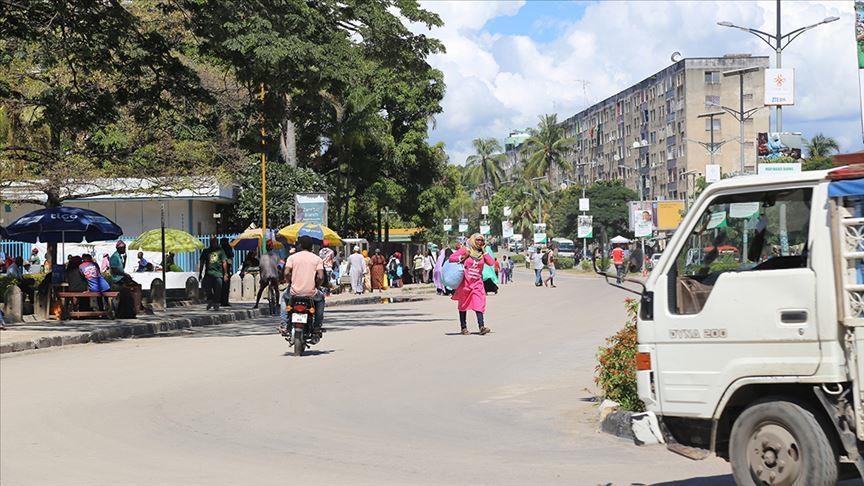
{"points": [[187, 261]]}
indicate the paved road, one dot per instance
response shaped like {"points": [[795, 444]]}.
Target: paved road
{"points": [[392, 395]]}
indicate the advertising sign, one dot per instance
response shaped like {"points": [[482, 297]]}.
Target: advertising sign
{"points": [[484, 228], [635, 208], [643, 222], [539, 233], [779, 168], [507, 211], [669, 214], [583, 204], [484, 210], [712, 173], [779, 86], [507, 229], [310, 208], [448, 224], [585, 227], [779, 144], [463, 225]]}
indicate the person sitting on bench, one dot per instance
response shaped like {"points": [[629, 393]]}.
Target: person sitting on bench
{"points": [[95, 281]]}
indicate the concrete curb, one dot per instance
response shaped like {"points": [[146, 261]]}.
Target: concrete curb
{"points": [[145, 329], [617, 423], [148, 329]]}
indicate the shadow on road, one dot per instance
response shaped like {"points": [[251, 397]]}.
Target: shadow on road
{"points": [[310, 352], [724, 480], [335, 320]]}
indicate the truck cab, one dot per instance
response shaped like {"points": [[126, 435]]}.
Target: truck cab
{"points": [[750, 329]]}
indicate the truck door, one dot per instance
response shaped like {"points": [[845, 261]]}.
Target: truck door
{"points": [[740, 299]]}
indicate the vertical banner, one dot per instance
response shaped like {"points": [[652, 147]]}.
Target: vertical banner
{"points": [[448, 224], [310, 207], [584, 204], [643, 221], [507, 211], [779, 86], [539, 233], [712, 173], [484, 210], [485, 228], [507, 229], [463, 225], [585, 227]]}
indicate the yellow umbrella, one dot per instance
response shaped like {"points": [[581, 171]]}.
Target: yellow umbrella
{"points": [[251, 239], [318, 232]]}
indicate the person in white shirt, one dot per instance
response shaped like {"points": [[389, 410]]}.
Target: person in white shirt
{"points": [[428, 266]]}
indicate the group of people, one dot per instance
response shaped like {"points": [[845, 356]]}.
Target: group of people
{"points": [[368, 274], [540, 259]]}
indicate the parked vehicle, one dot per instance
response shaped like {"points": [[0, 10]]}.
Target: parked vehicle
{"points": [[299, 326], [655, 258], [566, 248], [757, 354]]}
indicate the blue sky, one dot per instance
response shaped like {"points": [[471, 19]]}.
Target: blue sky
{"points": [[509, 62]]}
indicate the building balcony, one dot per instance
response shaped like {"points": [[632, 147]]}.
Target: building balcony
{"points": [[672, 164], [670, 117], [671, 140]]}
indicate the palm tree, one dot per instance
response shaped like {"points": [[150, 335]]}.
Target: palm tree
{"points": [[526, 194], [821, 146], [546, 147], [486, 166]]}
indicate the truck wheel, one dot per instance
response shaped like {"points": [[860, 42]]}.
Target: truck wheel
{"points": [[781, 443]]}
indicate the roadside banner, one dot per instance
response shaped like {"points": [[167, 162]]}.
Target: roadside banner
{"points": [[779, 86], [310, 208], [507, 211], [584, 204], [539, 233], [669, 214], [712, 173], [585, 227], [507, 229], [463, 225], [448, 224], [484, 210], [643, 221], [484, 228]]}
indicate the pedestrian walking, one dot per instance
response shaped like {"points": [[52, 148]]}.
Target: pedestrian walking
{"points": [[367, 277], [428, 266], [213, 271], [418, 268], [357, 270], [394, 270], [512, 267], [618, 261], [537, 261], [225, 245], [328, 256], [550, 263], [505, 269], [471, 294], [378, 264]]}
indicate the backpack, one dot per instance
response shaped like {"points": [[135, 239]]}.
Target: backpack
{"points": [[545, 258]]}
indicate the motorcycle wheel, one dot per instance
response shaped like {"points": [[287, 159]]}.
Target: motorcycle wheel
{"points": [[299, 344]]}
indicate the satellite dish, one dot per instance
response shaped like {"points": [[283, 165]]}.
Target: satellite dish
{"points": [[676, 56]]}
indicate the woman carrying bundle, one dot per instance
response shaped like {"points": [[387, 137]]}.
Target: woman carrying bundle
{"points": [[471, 294]]}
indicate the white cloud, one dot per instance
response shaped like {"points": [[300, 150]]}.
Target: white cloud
{"points": [[498, 82]]}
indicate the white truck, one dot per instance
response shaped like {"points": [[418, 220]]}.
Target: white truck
{"points": [[751, 329], [566, 248]]}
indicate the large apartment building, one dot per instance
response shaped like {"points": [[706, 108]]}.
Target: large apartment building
{"points": [[647, 134]]}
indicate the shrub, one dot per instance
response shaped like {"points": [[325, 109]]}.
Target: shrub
{"points": [[565, 263], [615, 372], [585, 265], [518, 257], [725, 263]]}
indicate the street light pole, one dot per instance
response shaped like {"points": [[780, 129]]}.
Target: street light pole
{"points": [[777, 42], [740, 114], [263, 179]]}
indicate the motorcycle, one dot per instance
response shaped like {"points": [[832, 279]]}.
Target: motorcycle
{"points": [[300, 330]]}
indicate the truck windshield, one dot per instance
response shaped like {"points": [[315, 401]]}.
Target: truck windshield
{"points": [[566, 247], [765, 230]]}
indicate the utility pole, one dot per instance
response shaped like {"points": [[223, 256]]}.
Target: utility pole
{"points": [[740, 114], [777, 42], [263, 178]]}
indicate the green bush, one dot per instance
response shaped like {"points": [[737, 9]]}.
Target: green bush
{"points": [[565, 263], [725, 263], [518, 257], [615, 373], [5, 282], [585, 265]]}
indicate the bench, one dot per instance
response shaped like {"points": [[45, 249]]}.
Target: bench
{"points": [[70, 304]]}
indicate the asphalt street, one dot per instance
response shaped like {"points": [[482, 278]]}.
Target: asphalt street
{"points": [[392, 395]]}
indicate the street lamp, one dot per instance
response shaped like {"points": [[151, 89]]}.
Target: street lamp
{"points": [[740, 114], [711, 146], [778, 42]]}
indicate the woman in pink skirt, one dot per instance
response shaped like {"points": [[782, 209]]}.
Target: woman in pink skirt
{"points": [[471, 294]]}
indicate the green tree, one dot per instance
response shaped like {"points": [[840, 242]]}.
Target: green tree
{"points": [[546, 147], [89, 91], [485, 167], [817, 163], [609, 207], [821, 146]]}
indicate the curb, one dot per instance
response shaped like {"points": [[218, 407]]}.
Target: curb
{"points": [[617, 423], [134, 330]]}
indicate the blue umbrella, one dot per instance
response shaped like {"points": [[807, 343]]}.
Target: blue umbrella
{"points": [[63, 224]]}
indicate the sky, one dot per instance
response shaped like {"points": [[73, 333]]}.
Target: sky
{"points": [[508, 62]]}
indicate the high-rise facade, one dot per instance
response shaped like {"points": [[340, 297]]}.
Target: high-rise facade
{"points": [[647, 134]]}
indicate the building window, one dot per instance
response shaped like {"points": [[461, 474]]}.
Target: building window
{"points": [[712, 101], [708, 124], [748, 96], [712, 77], [653, 137]]}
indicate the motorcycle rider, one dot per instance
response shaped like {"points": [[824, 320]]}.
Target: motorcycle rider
{"points": [[304, 271]]}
